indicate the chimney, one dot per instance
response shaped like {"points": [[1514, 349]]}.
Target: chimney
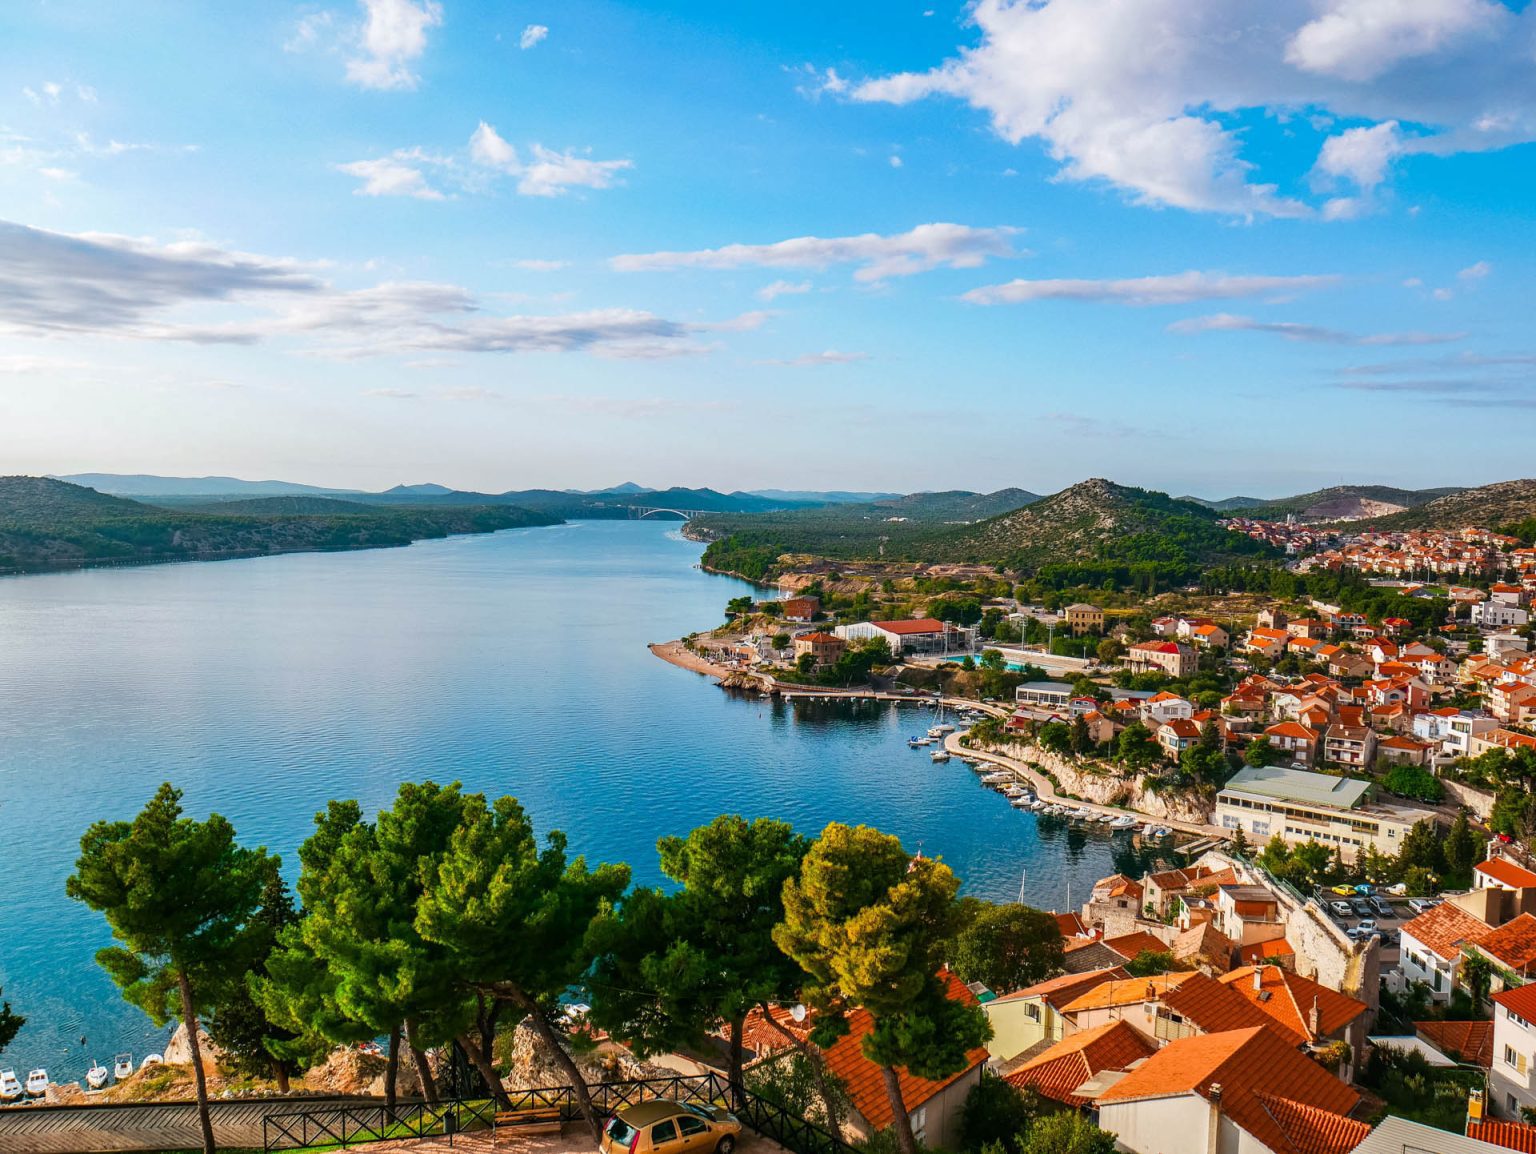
{"points": [[1258, 978], [1315, 1019], [1213, 1137]]}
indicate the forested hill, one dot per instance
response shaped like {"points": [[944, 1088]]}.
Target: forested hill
{"points": [[1097, 530], [48, 524]]}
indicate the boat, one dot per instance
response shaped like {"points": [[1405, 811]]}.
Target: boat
{"points": [[1021, 803], [10, 1088], [1040, 805], [996, 777], [940, 755], [1124, 821], [122, 1066], [96, 1077], [914, 742], [37, 1083], [151, 1060], [1104, 818]]}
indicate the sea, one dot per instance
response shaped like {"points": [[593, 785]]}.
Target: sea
{"points": [[515, 663]]}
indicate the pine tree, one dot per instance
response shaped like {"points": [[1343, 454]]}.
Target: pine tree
{"points": [[10, 1024]]}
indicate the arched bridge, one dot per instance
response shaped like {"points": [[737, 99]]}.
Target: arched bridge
{"points": [[641, 512]]}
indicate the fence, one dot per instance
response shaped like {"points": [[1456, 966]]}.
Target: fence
{"points": [[349, 1125]]}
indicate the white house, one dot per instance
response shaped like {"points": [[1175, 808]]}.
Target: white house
{"points": [[1514, 1052], [1499, 615], [1431, 947]]}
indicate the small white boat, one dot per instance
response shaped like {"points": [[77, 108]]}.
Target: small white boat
{"points": [[1040, 805], [1125, 821], [37, 1083], [940, 755], [96, 1077], [997, 777], [122, 1066], [10, 1088], [1021, 803], [914, 742], [151, 1060], [1105, 818]]}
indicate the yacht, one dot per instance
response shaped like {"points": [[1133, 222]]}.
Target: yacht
{"points": [[997, 777], [37, 1083], [1022, 802], [1124, 821], [10, 1088], [940, 755], [914, 742], [122, 1066], [96, 1077]]}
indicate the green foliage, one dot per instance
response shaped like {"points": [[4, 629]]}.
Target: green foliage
{"points": [[1413, 781], [790, 1081], [1421, 848], [10, 1024], [1417, 1091], [961, 611], [1462, 851], [1055, 736], [1005, 947], [1306, 866], [996, 1112], [1135, 747], [1149, 962], [1066, 1132], [1260, 753]]}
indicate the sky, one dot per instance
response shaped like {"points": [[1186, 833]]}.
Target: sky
{"points": [[1200, 246]]}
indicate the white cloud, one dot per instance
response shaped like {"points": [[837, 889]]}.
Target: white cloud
{"points": [[816, 83], [1178, 288], [310, 31], [1361, 155], [398, 174], [392, 394], [830, 357], [781, 288], [1475, 271], [1145, 94], [394, 36], [547, 173], [895, 161], [532, 265], [532, 35], [925, 247], [1315, 334], [57, 285]]}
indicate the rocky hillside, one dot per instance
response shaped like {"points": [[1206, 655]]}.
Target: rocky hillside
{"points": [[953, 505], [1340, 503], [1488, 507], [1098, 520], [49, 524]]}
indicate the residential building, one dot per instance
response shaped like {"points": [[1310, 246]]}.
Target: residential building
{"points": [[1168, 657], [1293, 738], [1302, 806], [1165, 1007], [1025, 1018], [1431, 947], [824, 648], [1349, 745], [1075, 1061], [1512, 950], [1503, 874], [1499, 615], [1499, 646], [800, 608], [1084, 618], [1248, 914], [1164, 706], [1512, 1075], [1162, 888], [1397, 1135], [1045, 694], [1309, 1010], [1242, 1091], [1470, 1043], [933, 1107], [1210, 636], [1174, 737], [1397, 750]]}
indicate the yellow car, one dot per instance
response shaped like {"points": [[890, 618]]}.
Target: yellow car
{"points": [[1346, 891], [663, 1127]]}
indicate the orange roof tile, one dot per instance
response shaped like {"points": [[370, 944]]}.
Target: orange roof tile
{"points": [[1510, 1135], [865, 1083], [1132, 944], [1513, 944], [1274, 948], [1470, 1041], [913, 625], [1126, 992], [1060, 990], [1212, 1007], [1071, 925], [1521, 1001], [1069, 1063], [762, 1037], [1505, 871], [1289, 999], [1311, 1130], [1246, 1064], [1443, 929]]}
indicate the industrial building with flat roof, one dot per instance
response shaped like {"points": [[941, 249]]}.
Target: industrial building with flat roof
{"points": [[1301, 806]]}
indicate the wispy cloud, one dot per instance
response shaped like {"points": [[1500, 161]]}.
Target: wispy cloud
{"points": [[829, 357], [399, 174], [928, 246], [781, 288], [1475, 271], [1177, 288], [532, 34], [1455, 362], [1228, 323]]}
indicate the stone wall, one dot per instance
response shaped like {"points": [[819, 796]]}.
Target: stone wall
{"points": [[1112, 788], [1478, 801]]}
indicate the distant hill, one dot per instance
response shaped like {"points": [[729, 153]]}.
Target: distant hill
{"points": [[1098, 520], [957, 504], [822, 497], [1226, 503], [149, 485], [1486, 507], [46, 523], [428, 490], [1341, 503]]}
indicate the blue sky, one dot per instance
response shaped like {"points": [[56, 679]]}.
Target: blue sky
{"points": [[889, 246]]}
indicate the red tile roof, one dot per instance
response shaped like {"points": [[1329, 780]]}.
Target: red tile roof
{"points": [[1507, 872], [1274, 948], [912, 625], [865, 1083], [1126, 992], [1513, 944], [1510, 1135], [1470, 1041], [1212, 1007], [1289, 999], [1060, 990], [1443, 929], [1253, 1067], [1072, 1061], [1071, 925], [761, 1037], [1130, 945], [1521, 1000], [1311, 1130]]}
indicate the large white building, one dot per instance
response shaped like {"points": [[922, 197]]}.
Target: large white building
{"points": [[922, 635], [1301, 806], [1498, 615]]}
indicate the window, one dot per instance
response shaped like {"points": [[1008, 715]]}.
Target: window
{"points": [[1032, 1012], [663, 1132], [691, 1126], [920, 1123], [1229, 821], [1518, 1020]]}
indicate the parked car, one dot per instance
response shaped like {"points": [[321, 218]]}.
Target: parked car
{"points": [[1343, 891], [1361, 907], [1400, 890], [1366, 926], [1419, 905], [1365, 890], [1341, 909], [664, 1127], [1383, 909]]}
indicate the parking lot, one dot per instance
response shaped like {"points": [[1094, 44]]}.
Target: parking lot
{"points": [[1380, 912]]}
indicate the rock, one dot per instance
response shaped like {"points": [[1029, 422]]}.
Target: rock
{"points": [[178, 1052], [348, 1070]]}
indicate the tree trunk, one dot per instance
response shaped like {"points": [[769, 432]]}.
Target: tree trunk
{"points": [[280, 1074], [547, 1032], [487, 1019], [423, 1069], [487, 1071], [189, 1019], [901, 1123], [829, 1100], [734, 1062], [392, 1070]]}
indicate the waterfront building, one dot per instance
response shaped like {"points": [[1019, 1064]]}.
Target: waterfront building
{"points": [[1431, 947], [1299, 806], [918, 635], [825, 648], [1045, 695]]}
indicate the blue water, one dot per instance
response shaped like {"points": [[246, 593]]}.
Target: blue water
{"points": [[516, 663]]}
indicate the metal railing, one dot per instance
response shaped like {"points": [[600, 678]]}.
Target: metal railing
{"points": [[343, 1126]]}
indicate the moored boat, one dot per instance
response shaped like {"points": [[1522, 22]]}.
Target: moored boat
{"points": [[1124, 821], [10, 1088], [96, 1077], [37, 1083], [940, 755], [122, 1066]]}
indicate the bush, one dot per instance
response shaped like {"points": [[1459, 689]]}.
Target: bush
{"points": [[1413, 781], [995, 1111]]}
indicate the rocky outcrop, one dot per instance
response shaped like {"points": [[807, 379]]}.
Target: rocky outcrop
{"points": [[1112, 787], [178, 1052]]}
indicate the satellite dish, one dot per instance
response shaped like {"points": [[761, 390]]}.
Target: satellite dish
{"points": [[797, 1012]]}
